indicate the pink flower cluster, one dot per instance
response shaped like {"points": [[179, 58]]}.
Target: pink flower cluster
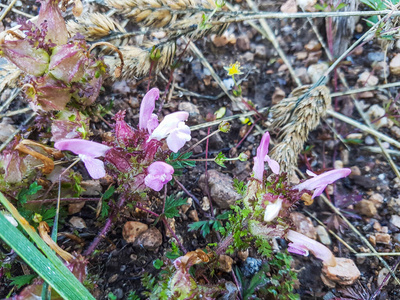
{"points": [[300, 244], [172, 128]]}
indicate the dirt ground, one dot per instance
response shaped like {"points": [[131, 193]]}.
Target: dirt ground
{"points": [[369, 198]]}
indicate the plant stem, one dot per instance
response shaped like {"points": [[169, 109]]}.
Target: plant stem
{"points": [[187, 192], [202, 140], [106, 228]]}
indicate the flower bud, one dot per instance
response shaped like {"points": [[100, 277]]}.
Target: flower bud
{"points": [[224, 126], [243, 156], [30, 60]]}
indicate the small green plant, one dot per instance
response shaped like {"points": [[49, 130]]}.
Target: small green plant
{"points": [[171, 206], [206, 226], [274, 280], [23, 195], [174, 253], [20, 281]]}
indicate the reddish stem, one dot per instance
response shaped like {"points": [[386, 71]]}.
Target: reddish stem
{"points": [[106, 228]]}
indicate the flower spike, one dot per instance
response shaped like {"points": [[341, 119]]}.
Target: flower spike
{"points": [[262, 156]]}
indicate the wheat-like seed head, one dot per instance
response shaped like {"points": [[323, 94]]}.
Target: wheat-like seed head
{"points": [[177, 15], [296, 120], [137, 59], [93, 26]]}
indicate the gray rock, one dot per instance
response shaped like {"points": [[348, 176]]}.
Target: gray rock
{"points": [[251, 266], [230, 291], [376, 56], [243, 43], [151, 239], [221, 189]]}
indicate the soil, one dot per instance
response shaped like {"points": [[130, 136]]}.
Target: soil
{"points": [[118, 267]]}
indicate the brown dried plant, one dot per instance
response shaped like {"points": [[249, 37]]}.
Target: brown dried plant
{"points": [[94, 26], [137, 59], [295, 120], [176, 15]]}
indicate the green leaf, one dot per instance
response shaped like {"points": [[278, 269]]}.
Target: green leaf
{"points": [[220, 159], [24, 193], [158, 263], [20, 281], [45, 262], [111, 296], [341, 5], [171, 206], [110, 191]]}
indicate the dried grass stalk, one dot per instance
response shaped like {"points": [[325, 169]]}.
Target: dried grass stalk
{"points": [[137, 59], [177, 15], [295, 121], [94, 26]]}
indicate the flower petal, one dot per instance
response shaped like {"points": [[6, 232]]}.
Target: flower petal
{"points": [[159, 173], [272, 210], [84, 147], [95, 167], [178, 137], [262, 151], [168, 124], [320, 251], [297, 249], [147, 107], [152, 123], [273, 164], [320, 182]]}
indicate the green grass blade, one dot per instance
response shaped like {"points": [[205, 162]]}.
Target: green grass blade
{"points": [[51, 269]]}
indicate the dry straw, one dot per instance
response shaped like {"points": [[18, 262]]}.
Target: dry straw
{"points": [[295, 120]]}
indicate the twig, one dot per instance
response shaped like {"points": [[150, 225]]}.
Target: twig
{"points": [[9, 100], [377, 292], [331, 232], [206, 64], [378, 254], [363, 127], [363, 239], [379, 150], [15, 112], [18, 11], [9, 7], [4, 145], [187, 192], [268, 33], [251, 16], [63, 200]]}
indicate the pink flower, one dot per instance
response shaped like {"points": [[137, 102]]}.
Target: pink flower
{"points": [[262, 156], [159, 173], [148, 120], [302, 245], [174, 128], [87, 151], [319, 182]]}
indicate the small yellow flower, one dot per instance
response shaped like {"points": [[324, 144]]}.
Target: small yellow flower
{"points": [[234, 69]]}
